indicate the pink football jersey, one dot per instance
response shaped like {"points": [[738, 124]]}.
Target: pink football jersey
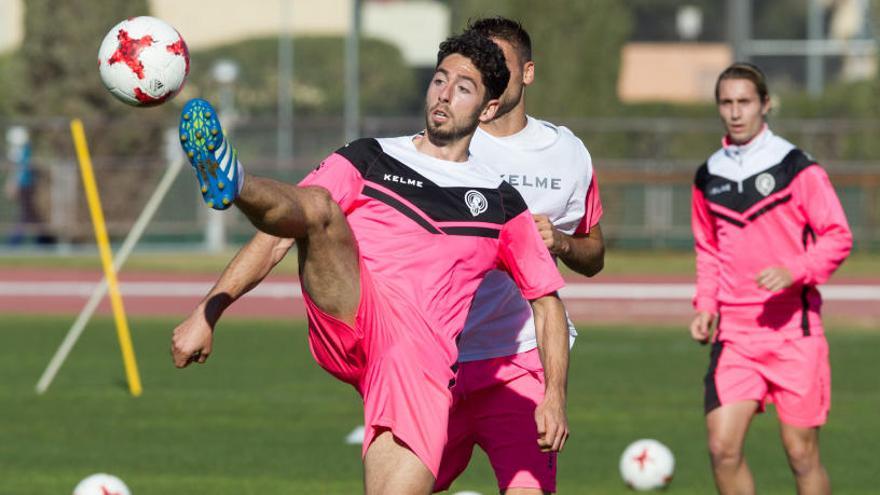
{"points": [[429, 230]]}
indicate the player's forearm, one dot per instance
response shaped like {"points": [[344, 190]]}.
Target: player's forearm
{"points": [[818, 264], [246, 270], [585, 255], [832, 238], [551, 327]]}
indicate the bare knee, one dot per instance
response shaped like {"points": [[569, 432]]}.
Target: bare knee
{"points": [[803, 456], [801, 448], [724, 452], [319, 208]]}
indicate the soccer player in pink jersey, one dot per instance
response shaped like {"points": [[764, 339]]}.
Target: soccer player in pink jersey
{"points": [[768, 228], [500, 382], [394, 237]]}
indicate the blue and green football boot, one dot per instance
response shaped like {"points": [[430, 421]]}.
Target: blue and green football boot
{"points": [[210, 153]]}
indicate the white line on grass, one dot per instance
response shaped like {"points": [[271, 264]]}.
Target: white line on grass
{"points": [[280, 290]]}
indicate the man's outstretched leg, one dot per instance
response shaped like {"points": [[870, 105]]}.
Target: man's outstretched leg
{"points": [[327, 249]]}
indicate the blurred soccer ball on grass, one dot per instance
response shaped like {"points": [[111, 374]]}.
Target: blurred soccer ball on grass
{"points": [[101, 484], [647, 464]]}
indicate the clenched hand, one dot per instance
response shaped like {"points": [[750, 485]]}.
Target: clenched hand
{"points": [[192, 340]]}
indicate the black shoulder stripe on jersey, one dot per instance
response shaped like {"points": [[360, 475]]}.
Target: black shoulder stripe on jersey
{"points": [[414, 216], [512, 200], [725, 192], [769, 206], [728, 219], [472, 231], [402, 208], [361, 153], [795, 162], [440, 204], [798, 160]]}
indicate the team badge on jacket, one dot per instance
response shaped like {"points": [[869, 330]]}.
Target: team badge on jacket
{"points": [[765, 183], [475, 202]]}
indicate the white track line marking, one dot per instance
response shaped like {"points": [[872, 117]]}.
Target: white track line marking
{"points": [[282, 290]]}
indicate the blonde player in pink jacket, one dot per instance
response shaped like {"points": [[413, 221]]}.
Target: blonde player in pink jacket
{"points": [[768, 228]]}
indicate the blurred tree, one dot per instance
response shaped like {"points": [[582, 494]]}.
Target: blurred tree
{"points": [[576, 46], [7, 82], [57, 65], [388, 86], [655, 20], [780, 19], [875, 31]]}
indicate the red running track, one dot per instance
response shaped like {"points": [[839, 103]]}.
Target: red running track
{"points": [[603, 299]]}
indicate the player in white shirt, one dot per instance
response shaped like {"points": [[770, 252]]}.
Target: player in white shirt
{"points": [[500, 377]]}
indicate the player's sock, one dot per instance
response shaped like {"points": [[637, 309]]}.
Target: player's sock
{"points": [[220, 174]]}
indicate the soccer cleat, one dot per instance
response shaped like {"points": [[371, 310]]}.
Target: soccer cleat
{"points": [[216, 162]]}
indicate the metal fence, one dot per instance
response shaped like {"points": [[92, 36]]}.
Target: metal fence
{"points": [[644, 166]]}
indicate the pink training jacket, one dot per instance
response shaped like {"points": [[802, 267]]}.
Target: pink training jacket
{"points": [[759, 205], [430, 230]]}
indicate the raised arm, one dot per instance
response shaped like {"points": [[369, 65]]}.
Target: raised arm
{"points": [[584, 250], [583, 253], [192, 340], [830, 239]]}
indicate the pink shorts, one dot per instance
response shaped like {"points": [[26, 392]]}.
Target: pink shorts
{"points": [[393, 359], [793, 374], [494, 403]]}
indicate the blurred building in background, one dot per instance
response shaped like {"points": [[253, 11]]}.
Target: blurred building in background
{"points": [[677, 48], [671, 72]]}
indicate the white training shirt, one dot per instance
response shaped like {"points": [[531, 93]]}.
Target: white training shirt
{"points": [[552, 170]]}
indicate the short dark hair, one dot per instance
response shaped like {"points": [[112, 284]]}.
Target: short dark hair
{"points": [[747, 71], [486, 56], [505, 29]]}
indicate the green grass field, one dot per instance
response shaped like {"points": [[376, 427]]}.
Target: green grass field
{"points": [[261, 417]]}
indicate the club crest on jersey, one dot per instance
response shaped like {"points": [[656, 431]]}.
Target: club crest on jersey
{"points": [[475, 202], [765, 183]]}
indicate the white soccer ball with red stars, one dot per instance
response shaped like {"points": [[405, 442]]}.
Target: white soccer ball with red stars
{"points": [[647, 464], [101, 484], [143, 61]]}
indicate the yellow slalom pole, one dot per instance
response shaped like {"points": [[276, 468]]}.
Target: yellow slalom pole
{"points": [[88, 176]]}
